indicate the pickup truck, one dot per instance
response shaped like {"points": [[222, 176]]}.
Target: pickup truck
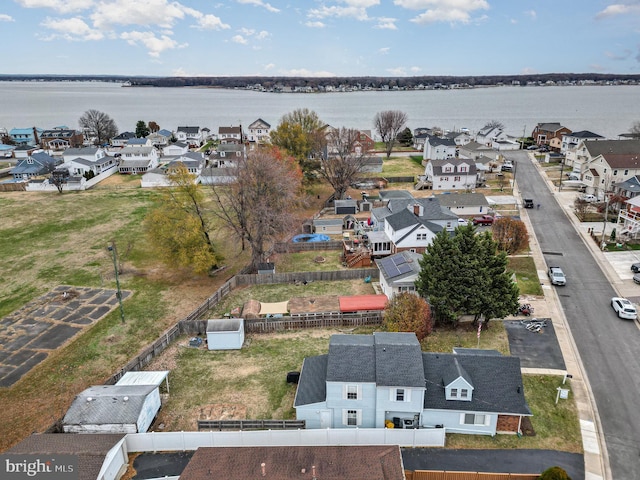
{"points": [[483, 220], [556, 275]]}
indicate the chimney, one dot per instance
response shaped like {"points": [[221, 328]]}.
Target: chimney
{"points": [[313, 473], [263, 469]]}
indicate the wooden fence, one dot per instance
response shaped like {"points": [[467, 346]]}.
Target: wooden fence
{"points": [[406, 179], [446, 475], [251, 424], [13, 187], [290, 247]]}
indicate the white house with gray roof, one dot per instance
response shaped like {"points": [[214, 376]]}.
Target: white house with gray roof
{"points": [[398, 273], [451, 174], [465, 204], [192, 136], [385, 380], [439, 148], [137, 160]]}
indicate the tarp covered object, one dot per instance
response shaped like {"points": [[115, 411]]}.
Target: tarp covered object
{"points": [[358, 303], [274, 308]]}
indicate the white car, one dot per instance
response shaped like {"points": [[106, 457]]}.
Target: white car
{"points": [[624, 308]]}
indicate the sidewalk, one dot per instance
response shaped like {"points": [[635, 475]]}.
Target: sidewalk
{"points": [[595, 453]]}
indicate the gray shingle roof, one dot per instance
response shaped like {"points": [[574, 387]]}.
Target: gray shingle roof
{"points": [[398, 360], [463, 199], [312, 386], [351, 359], [497, 383]]}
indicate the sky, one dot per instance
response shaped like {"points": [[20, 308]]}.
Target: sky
{"points": [[319, 38]]}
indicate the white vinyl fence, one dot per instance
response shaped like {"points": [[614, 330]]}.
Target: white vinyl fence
{"points": [[177, 441]]}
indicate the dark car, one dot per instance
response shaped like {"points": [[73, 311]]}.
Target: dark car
{"points": [[636, 278], [527, 202], [635, 267]]}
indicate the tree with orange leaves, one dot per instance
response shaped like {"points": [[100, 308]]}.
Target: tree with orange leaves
{"points": [[510, 234], [407, 312]]}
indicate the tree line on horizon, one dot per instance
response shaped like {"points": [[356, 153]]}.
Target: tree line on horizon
{"points": [[314, 82]]}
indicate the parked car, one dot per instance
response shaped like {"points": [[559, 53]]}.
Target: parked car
{"points": [[483, 220], [527, 202], [556, 275], [624, 308], [636, 278], [635, 267], [506, 167], [587, 197], [532, 147], [573, 176]]}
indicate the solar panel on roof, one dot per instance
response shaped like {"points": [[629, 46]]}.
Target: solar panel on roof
{"points": [[404, 268]]}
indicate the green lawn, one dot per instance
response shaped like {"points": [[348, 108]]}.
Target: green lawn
{"points": [[402, 166], [526, 274]]}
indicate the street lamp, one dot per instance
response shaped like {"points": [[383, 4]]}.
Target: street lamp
{"points": [[114, 253]]}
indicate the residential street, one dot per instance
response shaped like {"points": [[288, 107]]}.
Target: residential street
{"points": [[607, 346]]}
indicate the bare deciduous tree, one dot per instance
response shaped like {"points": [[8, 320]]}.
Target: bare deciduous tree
{"points": [[259, 206], [342, 163], [494, 124], [635, 129], [388, 124], [99, 125]]}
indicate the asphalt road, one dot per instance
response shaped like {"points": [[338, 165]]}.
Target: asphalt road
{"points": [[608, 346]]}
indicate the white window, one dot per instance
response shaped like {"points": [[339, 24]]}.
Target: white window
{"points": [[351, 392], [400, 395], [475, 419], [421, 236], [352, 418], [464, 393]]}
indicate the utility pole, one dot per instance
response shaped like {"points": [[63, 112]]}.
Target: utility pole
{"points": [[604, 226], [114, 255]]}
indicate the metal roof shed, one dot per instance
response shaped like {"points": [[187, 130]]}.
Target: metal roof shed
{"points": [[225, 334], [113, 409], [145, 378]]}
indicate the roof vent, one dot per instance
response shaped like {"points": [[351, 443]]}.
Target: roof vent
{"points": [[126, 399], [89, 399]]}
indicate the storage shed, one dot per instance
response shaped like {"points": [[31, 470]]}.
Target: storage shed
{"points": [[113, 409], [329, 226], [344, 207], [225, 334]]}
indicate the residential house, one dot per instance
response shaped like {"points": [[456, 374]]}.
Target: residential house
{"points": [[217, 176], [460, 138], [192, 136], [259, 131], [227, 155], [175, 149], [496, 138], [139, 142], [6, 151], [92, 154], [543, 133], [36, 164], [571, 142], [364, 143], [137, 160], [26, 136], [475, 150], [629, 219], [192, 161], [451, 174], [399, 272], [60, 138], [420, 136], [607, 162], [160, 138], [230, 134], [24, 150], [121, 139], [439, 148], [465, 204], [81, 161], [296, 462], [385, 380]]}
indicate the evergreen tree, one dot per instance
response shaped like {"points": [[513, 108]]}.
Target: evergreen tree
{"points": [[141, 129], [465, 274]]}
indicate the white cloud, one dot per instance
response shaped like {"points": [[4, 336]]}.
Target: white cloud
{"points": [[247, 31], [352, 9], [155, 45], [532, 14], [383, 50], [398, 71], [147, 13], [619, 9], [262, 35], [260, 3], [6, 18], [386, 23], [211, 22], [450, 11], [303, 72], [60, 6], [269, 66], [315, 25], [239, 39], [626, 53], [528, 71], [71, 29]]}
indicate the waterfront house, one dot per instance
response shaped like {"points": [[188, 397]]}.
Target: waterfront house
{"points": [[227, 155], [606, 162], [61, 138], [36, 164], [175, 149], [91, 154], [439, 148], [385, 380], [192, 136], [230, 134], [121, 139], [259, 131], [160, 138], [543, 133], [25, 136], [451, 174], [137, 160]]}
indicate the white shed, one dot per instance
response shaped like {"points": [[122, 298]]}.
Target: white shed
{"points": [[113, 409], [225, 334]]}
